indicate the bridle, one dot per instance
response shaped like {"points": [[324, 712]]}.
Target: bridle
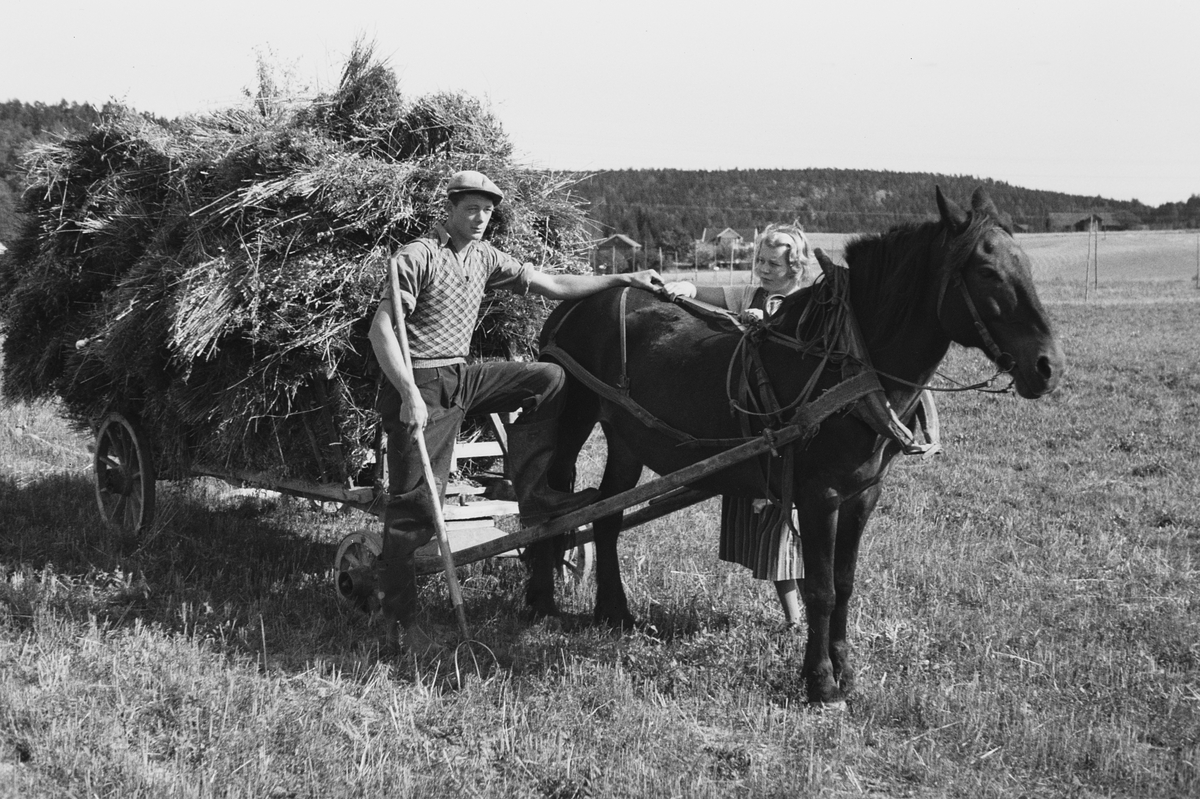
{"points": [[1004, 362]]}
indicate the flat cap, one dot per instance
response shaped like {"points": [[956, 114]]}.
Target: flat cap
{"points": [[471, 181]]}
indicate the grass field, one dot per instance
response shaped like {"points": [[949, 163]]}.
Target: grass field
{"points": [[1027, 622], [1157, 265]]}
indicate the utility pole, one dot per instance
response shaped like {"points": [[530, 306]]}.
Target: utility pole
{"points": [[1087, 267]]}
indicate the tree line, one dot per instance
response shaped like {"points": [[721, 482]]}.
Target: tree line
{"points": [[22, 124], [669, 209]]}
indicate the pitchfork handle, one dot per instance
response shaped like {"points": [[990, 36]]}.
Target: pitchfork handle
{"points": [[418, 437]]}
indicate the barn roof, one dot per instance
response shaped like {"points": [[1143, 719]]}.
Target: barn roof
{"points": [[711, 234], [618, 241], [1107, 218]]}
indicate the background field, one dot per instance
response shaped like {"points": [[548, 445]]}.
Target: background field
{"points": [[1027, 621], [1154, 264]]}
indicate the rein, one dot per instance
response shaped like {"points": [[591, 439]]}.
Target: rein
{"points": [[861, 383]]}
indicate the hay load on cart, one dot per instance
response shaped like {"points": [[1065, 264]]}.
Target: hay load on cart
{"points": [[198, 293]]}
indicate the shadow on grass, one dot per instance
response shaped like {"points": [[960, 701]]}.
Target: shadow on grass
{"points": [[220, 558], [251, 577]]}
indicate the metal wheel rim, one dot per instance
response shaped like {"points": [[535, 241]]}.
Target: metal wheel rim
{"points": [[358, 550]]}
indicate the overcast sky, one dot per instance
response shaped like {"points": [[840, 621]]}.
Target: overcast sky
{"points": [[1094, 98]]}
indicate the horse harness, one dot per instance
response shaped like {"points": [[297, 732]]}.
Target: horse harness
{"points": [[752, 400]]}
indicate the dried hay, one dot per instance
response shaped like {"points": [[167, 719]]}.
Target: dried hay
{"points": [[215, 278]]}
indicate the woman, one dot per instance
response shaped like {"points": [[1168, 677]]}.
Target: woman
{"points": [[753, 531]]}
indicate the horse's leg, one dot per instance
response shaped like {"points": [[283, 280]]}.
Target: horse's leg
{"points": [[541, 558], [852, 520], [621, 473], [817, 513]]}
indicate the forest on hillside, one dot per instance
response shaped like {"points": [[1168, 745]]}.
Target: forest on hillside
{"points": [[22, 124], [669, 209]]}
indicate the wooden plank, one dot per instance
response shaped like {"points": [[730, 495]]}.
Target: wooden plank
{"points": [[470, 524], [462, 542], [657, 489], [478, 449], [479, 510], [497, 422], [488, 542], [330, 492], [463, 489]]}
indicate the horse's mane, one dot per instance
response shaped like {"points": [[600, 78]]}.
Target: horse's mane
{"points": [[898, 270]]}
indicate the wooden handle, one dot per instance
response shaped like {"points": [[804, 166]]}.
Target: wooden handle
{"points": [[418, 438]]}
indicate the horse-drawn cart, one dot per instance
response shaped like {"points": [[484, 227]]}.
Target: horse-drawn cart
{"points": [[476, 518], [475, 527], [479, 524]]}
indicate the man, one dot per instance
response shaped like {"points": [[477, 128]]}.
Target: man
{"points": [[442, 281]]}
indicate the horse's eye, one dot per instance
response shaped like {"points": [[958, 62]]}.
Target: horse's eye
{"points": [[989, 274]]}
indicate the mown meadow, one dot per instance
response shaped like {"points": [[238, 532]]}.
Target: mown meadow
{"points": [[1026, 623]]}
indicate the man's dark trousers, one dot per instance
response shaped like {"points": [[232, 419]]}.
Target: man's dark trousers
{"points": [[450, 394]]}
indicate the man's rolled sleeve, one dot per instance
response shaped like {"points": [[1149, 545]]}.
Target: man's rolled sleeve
{"points": [[509, 274], [412, 269]]}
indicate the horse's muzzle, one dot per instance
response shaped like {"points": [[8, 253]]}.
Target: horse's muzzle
{"points": [[1040, 375]]}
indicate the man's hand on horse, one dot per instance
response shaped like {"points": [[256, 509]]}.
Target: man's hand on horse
{"points": [[680, 288], [648, 279]]}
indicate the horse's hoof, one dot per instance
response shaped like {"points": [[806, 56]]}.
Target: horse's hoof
{"points": [[833, 706], [541, 608]]}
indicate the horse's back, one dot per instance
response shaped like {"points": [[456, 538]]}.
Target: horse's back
{"points": [[668, 361]]}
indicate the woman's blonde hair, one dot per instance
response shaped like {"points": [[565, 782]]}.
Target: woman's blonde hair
{"points": [[790, 236]]}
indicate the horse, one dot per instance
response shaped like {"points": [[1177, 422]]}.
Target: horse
{"points": [[912, 290]]}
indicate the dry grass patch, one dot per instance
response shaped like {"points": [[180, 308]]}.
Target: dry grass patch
{"points": [[1025, 624]]}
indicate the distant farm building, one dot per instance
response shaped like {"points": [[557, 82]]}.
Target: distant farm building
{"points": [[725, 245], [616, 254], [1088, 220], [716, 236]]}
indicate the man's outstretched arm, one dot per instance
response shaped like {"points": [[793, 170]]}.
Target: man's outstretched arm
{"points": [[574, 287]]}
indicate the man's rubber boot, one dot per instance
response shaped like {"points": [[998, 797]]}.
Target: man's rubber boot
{"points": [[530, 449]]}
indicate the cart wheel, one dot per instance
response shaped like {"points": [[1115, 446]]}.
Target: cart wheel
{"points": [[354, 568], [124, 473], [579, 562]]}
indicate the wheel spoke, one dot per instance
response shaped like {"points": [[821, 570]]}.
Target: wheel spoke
{"points": [[107, 503], [118, 511], [118, 446], [133, 511]]}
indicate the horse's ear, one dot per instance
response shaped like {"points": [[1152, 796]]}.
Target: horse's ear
{"points": [[1006, 223], [981, 201], [827, 264], [954, 216]]}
